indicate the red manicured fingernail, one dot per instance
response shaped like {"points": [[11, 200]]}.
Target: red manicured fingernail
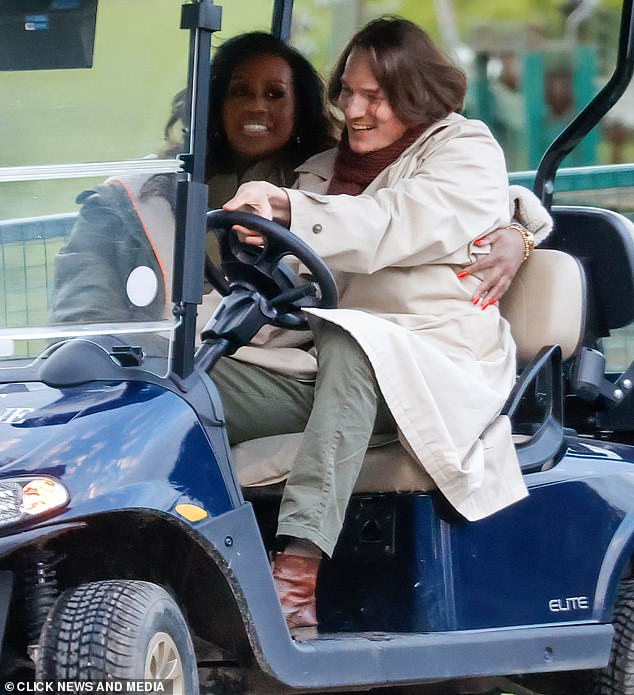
{"points": [[479, 242], [476, 299], [486, 304], [463, 274]]}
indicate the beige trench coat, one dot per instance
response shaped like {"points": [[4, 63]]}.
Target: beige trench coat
{"points": [[444, 366]]}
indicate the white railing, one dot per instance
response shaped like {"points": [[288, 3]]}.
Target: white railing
{"points": [[78, 171]]}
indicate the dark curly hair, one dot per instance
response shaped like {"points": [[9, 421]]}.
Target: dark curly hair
{"points": [[314, 128], [173, 142]]}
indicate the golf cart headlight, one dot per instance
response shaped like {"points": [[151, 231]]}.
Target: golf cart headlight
{"points": [[24, 498]]}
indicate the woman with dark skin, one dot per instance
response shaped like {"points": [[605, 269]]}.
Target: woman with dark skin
{"points": [[268, 114], [263, 89]]}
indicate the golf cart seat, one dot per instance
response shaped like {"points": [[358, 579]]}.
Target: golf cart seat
{"points": [[546, 309]]}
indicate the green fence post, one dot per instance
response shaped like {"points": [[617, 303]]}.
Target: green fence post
{"points": [[534, 106], [584, 88], [481, 102]]}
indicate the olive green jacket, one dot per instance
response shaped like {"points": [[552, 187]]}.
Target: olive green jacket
{"points": [[115, 234]]}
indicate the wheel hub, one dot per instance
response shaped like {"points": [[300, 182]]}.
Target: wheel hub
{"points": [[163, 662]]}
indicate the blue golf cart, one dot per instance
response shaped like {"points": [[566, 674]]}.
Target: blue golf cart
{"points": [[134, 540]]}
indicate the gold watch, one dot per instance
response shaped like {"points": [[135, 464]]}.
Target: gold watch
{"points": [[527, 237]]}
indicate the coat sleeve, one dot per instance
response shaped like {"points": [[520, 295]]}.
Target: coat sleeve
{"points": [[455, 194], [528, 210]]}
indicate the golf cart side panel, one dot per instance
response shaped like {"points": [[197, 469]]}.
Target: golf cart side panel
{"points": [[114, 445], [526, 565], [391, 545], [350, 659], [530, 564], [543, 561]]}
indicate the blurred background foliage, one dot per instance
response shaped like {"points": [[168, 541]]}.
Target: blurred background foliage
{"points": [[531, 66]]}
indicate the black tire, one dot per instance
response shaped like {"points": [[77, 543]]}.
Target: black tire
{"points": [[117, 629], [618, 677]]}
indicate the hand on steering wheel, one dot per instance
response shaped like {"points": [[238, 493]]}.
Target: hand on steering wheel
{"points": [[263, 267]]}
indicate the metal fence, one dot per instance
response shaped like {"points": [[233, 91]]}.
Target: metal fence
{"points": [[27, 261]]}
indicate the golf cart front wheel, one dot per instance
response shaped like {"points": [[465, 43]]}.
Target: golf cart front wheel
{"points": [[118, 629]]}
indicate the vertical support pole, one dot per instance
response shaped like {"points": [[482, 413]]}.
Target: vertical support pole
{"points": [[201, 19], [448, 25], [281, 22], [345, 18]]}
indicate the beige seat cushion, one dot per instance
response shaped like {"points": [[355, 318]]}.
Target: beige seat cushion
{"points": [[546, 304], [266, 462], [387, 468]]}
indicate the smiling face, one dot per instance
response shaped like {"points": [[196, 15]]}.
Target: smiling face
{"points": [[370, 120], [258, 114]]}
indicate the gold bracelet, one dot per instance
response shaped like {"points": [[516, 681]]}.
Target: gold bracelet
{"points": [[527, 237]]}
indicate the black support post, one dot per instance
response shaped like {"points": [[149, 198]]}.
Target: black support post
{"points": [[201, 19], [282, 15]]}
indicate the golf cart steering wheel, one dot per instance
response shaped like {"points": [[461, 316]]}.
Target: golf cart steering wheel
{"points": [[264, 270]]}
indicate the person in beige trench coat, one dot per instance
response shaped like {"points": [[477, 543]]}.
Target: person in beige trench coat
{"points": [[443, 364]]}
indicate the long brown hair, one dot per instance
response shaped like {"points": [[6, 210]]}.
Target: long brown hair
{"points": [[420, 82]]}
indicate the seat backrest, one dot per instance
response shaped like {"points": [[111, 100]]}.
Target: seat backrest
{"points": [[546, 304], [603, 241]]}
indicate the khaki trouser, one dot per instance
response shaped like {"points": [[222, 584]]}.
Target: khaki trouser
{"points": [[338, 414]]}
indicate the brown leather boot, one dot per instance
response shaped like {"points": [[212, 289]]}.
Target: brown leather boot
{"points": [[295, 578]]}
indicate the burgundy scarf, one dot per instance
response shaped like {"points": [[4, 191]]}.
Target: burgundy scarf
{"points": [[353, 172]]}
